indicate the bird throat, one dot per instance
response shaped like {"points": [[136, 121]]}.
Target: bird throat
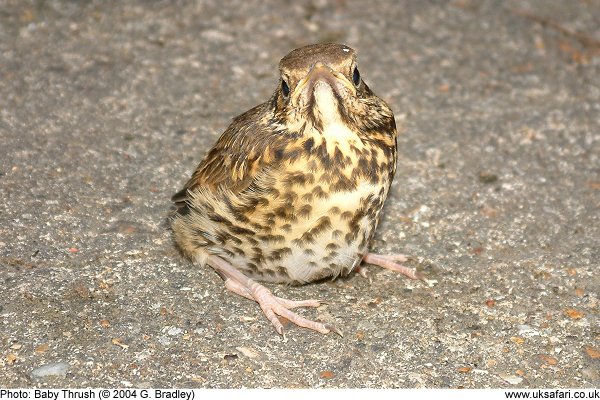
{"points": [[332, 130], [326, 104]]}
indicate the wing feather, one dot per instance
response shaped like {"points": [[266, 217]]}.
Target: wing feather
{"points": [[237, 158]]}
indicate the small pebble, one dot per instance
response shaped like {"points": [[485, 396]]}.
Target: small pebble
{"points": [[527, 330], [380, 334], [164, 340], [174, 331], [248, 352], [512, 379], [52, 369], [487, 177]]}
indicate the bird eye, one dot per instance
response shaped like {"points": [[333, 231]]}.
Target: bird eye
{"points": [[285, 89], [356, 77]]}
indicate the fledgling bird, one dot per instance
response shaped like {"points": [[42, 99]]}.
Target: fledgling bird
{"points": [[292, 190]]}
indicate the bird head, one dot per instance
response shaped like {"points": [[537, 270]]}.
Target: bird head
{"points": [[320, 84]]}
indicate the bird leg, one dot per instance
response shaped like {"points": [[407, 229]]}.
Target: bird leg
{"points": [[270, 304], [392, 262]]}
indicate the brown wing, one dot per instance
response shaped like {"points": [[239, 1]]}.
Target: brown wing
{"points": [[244, 149]]}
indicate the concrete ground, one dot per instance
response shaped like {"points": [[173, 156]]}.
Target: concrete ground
{"points": [[107, 107]]}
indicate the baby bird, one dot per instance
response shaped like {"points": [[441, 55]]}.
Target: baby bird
{"points": [[292, 191]]}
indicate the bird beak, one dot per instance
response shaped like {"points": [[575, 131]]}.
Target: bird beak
{"points": [[320, 73]]}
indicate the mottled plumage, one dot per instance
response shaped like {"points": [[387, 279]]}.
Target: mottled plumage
{"points": [[292, 191]]}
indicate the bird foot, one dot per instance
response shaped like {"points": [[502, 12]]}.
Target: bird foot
{"points": [[271, 305], [392, 262]]}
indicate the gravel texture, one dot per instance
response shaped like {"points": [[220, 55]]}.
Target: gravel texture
{"points": [[107, 107]]}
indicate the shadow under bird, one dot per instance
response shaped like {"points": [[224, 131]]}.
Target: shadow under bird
{"points": [[292, 191]]}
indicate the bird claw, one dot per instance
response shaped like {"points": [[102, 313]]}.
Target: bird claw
{"points": [[273, 306], [334, 329], [362, 271]]}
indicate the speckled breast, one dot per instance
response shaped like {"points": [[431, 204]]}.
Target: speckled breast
{"points": [[312, 219]]}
